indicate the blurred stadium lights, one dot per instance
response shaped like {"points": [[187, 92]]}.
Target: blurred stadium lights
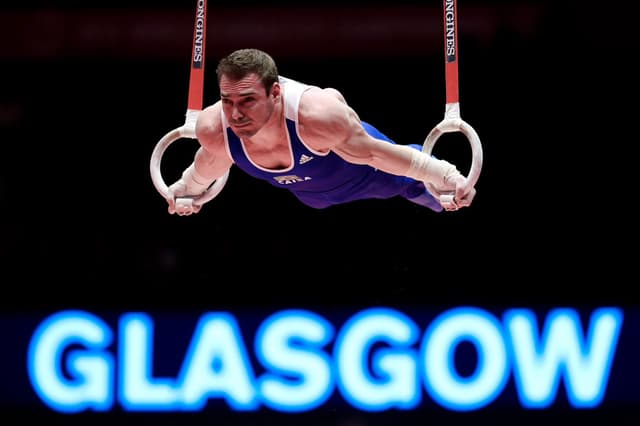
{"points": [[44, 33]]}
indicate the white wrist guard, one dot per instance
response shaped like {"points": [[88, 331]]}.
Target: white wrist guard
{"points": [[194, 183], [426, 168]]}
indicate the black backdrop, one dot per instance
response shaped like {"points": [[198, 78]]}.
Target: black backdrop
{"points": [[552, 223]]}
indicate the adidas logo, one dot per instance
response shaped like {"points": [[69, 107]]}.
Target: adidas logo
{"points": [[304, 158]]}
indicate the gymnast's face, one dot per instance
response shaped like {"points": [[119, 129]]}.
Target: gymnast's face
{"points": [[246, 103]]}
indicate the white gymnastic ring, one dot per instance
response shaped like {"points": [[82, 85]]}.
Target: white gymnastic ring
{"points": [[156, 174], [450, 125]]}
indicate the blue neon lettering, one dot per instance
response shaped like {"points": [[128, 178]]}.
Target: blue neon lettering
{"points": [[291, 346], [378, 361], [561, 352], [87, 380], [442, 381], [392, 381]]}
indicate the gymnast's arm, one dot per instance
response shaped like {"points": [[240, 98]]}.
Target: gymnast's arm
{"points": [[211, 160], [328, 123]]}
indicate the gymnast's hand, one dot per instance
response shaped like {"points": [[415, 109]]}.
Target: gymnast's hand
{"points": [[463, 193], [180, 201], [454, 193]]}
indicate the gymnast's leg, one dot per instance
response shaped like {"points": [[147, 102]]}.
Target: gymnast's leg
{"points": [[411, 189]]}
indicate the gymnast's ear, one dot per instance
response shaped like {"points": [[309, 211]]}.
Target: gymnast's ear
{"points": [[276, 90]]}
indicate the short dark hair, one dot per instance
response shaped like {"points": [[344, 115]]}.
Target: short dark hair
{"points": [[240, 63]]}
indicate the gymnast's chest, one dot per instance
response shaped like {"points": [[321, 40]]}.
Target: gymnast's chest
{"points": [[272, 156]]}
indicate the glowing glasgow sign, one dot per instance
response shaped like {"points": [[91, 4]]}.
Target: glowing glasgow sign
{"points": [[378, 359]]}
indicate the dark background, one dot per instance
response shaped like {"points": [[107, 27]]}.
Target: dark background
{"points": [[87, 91]]}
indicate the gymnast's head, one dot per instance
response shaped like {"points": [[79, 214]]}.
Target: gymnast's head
{"points": [[243, 62]]}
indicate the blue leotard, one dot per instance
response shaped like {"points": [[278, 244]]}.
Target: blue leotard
{"points": [[322, 179]]}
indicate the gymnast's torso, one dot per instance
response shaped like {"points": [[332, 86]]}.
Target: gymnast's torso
{"points": [[318, 179]]}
